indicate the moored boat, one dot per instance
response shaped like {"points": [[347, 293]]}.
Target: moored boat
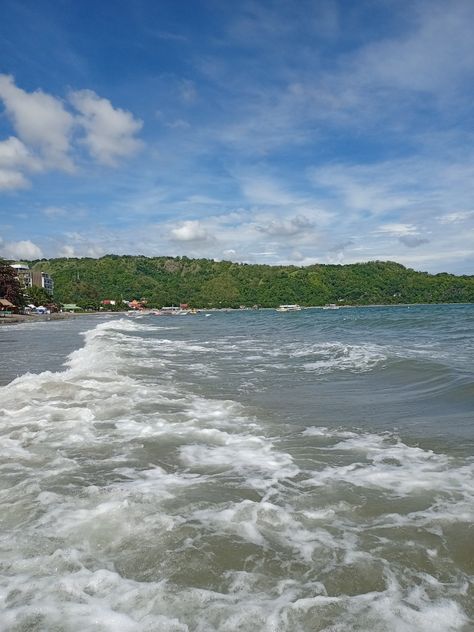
{"points": [[289, 308]]}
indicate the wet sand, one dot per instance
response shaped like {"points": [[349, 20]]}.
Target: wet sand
{"points": [[15, 319]]}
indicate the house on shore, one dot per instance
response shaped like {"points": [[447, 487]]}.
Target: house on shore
{"points": [[71, 307], [6, 307]]}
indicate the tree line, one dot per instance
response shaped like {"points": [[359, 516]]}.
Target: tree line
{"points": [[205, 283]]}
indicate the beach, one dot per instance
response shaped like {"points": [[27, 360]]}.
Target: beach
{"points": [[15, 319]]}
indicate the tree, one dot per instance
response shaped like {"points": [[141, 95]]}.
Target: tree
{"points": [[38, 295], [10, 287], [204, 282]]}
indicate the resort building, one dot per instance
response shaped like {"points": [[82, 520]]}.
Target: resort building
{"points": [[24, 274], [29, 278], [42, 279]]}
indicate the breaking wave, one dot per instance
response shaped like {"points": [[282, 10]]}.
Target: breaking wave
{"points": [[133, 502]]}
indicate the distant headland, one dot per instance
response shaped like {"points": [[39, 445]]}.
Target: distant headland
{"points": [[205, 283]]}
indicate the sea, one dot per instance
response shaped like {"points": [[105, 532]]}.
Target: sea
{"points": [[239, 471]]}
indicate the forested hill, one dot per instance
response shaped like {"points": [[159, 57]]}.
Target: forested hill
{"points": [[207, 283]]}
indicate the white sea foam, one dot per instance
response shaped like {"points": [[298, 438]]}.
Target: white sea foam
{"points": [[383, 461], [131, 503]]}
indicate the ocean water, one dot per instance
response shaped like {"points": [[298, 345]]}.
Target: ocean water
{"points": [[241, 471]]}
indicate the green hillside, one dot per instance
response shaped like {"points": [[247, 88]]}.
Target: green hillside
{"points": [[207, 283]]}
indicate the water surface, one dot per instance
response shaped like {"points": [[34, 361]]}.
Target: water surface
{"points": [[308, 471]]}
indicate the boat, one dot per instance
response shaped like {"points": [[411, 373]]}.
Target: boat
{"points": [[171, 311], [331, 306], [288, 308]]}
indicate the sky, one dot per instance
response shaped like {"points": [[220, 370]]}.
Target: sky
{"points": [[260, 131]]}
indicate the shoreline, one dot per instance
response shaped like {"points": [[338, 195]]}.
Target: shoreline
{"points": [[18, 319]]}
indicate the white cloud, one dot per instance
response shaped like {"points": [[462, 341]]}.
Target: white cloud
{"points": [[373, 188], [21, 250], [434, 54], [15, 158], [109, 132], [398, 230], [40, 121], [287, 227], [12, 180], [456, 217], [407, 234], [14, 153], [421, 187], [191, 230], [67, 251], [45, 132]]}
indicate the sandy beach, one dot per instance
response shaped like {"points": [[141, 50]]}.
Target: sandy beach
{"points": [[15, 319]]}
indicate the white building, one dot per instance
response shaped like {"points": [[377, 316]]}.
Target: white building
{"points": [[42, 279], [24, 274], [29, 278]]}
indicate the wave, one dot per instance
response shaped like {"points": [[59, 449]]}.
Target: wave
{"points": [[131, 502]]}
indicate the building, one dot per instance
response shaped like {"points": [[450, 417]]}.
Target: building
{"points": [[71, 307], [6, 307], [29, 278], [23, 273], [42, 279]]}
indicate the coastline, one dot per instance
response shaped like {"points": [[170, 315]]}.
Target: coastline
{"points": [[17, 319]]}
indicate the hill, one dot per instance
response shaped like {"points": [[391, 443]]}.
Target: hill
{"points": [[208, 283]]}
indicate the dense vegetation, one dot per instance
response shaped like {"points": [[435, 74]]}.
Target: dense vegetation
{"points": [[10, 288], [207, 283]]}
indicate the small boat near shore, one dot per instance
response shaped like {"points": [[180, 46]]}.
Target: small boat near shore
{"points": [[175, 311], [289, 308]]}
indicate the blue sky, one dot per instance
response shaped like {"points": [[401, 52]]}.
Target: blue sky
{"points": [[263, 131]]}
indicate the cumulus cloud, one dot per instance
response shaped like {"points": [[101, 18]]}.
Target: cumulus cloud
{"points": [[41, 121], [45, 132], [14, 153], [21, 250], [15, 158], [109, 132], [191, 230], [10, 179]]}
